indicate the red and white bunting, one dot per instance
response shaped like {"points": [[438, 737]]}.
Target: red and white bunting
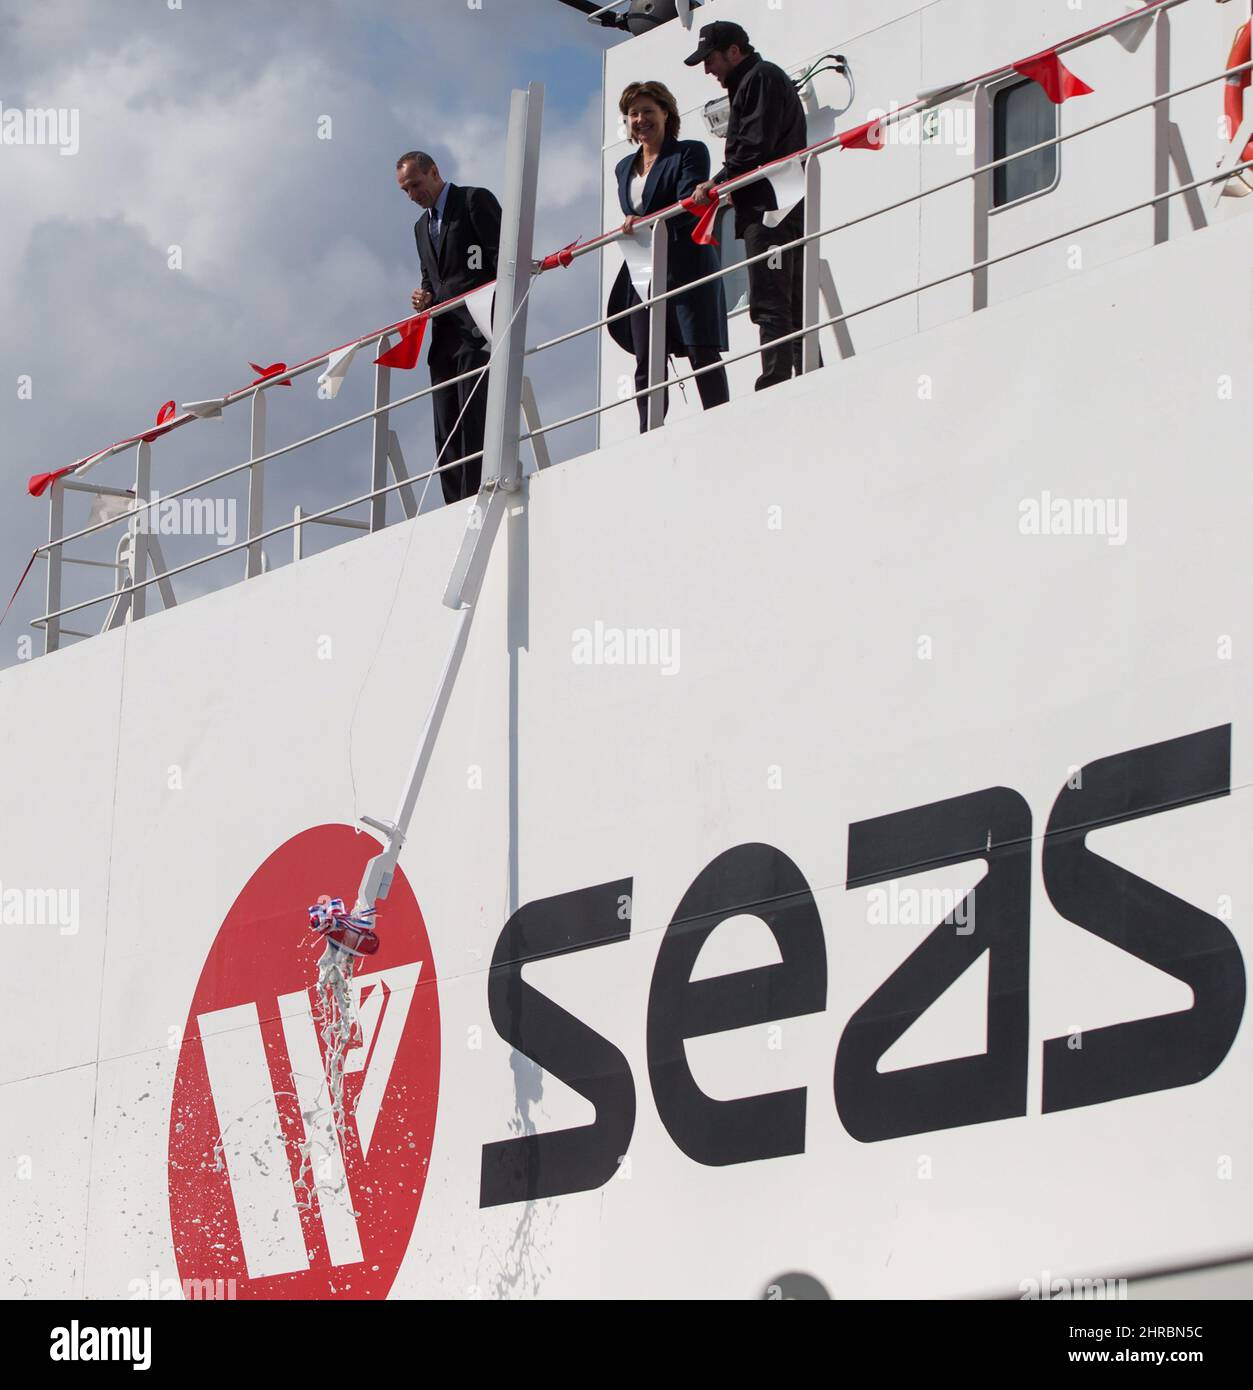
{"points": [[1132, 35], [404, 356], [479, 305], [788, 182], [106, 507], [864, 137], [1059, 83], [706, 215], [637, 251], [336, 370], [205, 410]]}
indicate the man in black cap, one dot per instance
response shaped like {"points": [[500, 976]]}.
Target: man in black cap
{"points": [[767, 123]]}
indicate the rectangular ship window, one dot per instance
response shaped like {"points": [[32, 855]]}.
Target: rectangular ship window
{"points": [[1023, 116]]}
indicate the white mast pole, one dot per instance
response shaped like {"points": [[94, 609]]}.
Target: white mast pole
{"points": [[500, 463]]}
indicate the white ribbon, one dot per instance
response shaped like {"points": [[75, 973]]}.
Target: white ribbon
{"points": [[480, 306], [336, 370], [637, 251], [788, 183], [1131, 36], [105, 507], [205, 410]]}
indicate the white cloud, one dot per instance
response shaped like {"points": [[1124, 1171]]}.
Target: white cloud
{"points": [[198, 128]]}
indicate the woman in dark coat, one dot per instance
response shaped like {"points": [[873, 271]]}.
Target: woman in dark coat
{"points": [[662, 172]]}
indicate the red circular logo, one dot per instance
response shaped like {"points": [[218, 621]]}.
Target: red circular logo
{"points": [[264, 1188]]}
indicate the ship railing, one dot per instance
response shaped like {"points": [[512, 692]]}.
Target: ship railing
{"points": [[980, 177], [140, 564]]}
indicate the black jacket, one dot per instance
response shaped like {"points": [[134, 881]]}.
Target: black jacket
{"points": [[471, 224], [695, 319], [767, 123]]}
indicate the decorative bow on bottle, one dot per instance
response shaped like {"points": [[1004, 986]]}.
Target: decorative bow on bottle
{"points": [[349, 932]]}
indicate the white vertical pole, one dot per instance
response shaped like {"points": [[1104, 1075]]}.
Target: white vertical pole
{"points": [[256, 485], [513, 281], [56, 528], [378, 472], [982, 186], [501, 464], [813, 260], [139, 528], [657, 315], [1161, 131]]}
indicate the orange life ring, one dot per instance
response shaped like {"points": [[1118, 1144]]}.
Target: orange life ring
{"points": [[1238, 84]]}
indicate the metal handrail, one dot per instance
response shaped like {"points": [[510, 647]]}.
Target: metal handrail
{"points": [[933, 97], [978, 172], [264, 458], [255, 540], [247, 392], [985, 264], [926, 100]]}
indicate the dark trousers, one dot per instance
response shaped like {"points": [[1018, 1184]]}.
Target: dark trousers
{"points": [[712, 386], [452, 440], [776, 295]]}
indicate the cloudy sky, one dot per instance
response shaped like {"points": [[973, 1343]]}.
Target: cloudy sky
{"points": [[198, 140]]}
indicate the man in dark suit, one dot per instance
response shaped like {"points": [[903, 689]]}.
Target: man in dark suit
{"points": [[458, 239]]}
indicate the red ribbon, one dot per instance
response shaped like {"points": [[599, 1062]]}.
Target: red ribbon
{"points": [[1059, 83], [560, 258], [38, 483], [21, 581], [705, 214], [864, 137], [165, 413], [267, 372], [405, 354]]}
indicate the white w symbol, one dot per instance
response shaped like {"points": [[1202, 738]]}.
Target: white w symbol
{"points": [[252, 1141]]}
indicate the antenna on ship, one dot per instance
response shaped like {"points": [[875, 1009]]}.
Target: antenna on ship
{"points": [[641, 17]]}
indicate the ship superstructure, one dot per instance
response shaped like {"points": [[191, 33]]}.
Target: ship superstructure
{"points": [[827, 855]]}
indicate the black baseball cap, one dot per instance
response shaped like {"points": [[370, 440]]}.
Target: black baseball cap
{"points": [[716, 37]]}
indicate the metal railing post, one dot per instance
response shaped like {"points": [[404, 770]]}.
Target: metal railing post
{"points": [[256, 485], [657, 317], [297, 533], [56, 525], [982, 186], [140, 523], [1161, 130], [378, 471], [811, 357], [501, 461]]}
